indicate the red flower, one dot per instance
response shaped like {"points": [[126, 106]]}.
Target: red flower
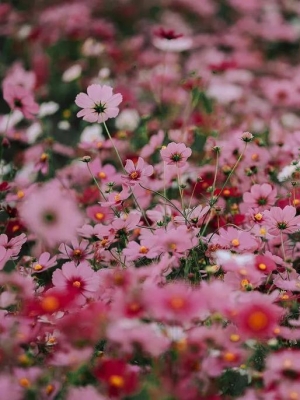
{"points": [[120, 378]]}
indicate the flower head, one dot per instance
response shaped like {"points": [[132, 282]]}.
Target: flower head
{"points": [[98, 104], [137, 172], [176, 154]]}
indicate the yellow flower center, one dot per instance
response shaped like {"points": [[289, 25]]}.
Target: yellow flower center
{"points": [[117, 198], [99, 216], [262, 266], [258, 217], [173, 246], [134, 175], [234, 337], [235, 242], [20, 194], [226, 192], [38, 267], [77, 284], [263, 231], [296, 202]]}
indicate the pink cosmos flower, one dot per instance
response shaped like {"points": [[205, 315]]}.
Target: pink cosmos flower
{"points": [[261, 196], [77, 252], [14, 245], [98, 104], [235, 240], [169, 40], [81, 279], [51, 215], [282, 220], [154, 143], [176, 154], [175, 302], [44, 262], [256, 316], [19, 98], [137, 172]]}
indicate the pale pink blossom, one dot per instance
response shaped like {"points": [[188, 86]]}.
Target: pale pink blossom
{"points": [[282, 220], [98, 104], [136, 173]]}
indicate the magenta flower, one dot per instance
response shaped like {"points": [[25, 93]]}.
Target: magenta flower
{"points": [[282, 220], [81, 279], [176, 154], [19, 98], [137, 172], [98, 104]]}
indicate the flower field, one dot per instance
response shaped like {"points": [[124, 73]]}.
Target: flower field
{"points": [[150, 200]]}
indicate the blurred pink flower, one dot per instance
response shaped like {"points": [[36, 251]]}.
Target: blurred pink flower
{"points": [[20, 98], [44, 262], [98, 104], [51, 215]]}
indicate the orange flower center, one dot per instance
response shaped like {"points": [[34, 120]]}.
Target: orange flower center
{"points": [[296, 202], [226, 192], [262, 266], [229, 357], [99, 216], [38, 267], [255, 157], [77, 284], [20, 194], [50, 304], [134, 175], [257, 321], [116, 381], [102, 175], [49, 389], [144, 250], [44, 157], [24, 382], [235, 242], [177, 303], [77, 253]]}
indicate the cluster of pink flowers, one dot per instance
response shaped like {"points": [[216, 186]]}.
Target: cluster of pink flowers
{"points": [[150, 201]]}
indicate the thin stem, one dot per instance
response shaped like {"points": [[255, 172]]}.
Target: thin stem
{"points": [[112, 142], [96, 183]]}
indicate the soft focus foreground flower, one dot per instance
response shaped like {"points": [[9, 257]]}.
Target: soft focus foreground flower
{"points": [[98, 104], [20, 98], [51, 215], [119, 377], [81, 279]]}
